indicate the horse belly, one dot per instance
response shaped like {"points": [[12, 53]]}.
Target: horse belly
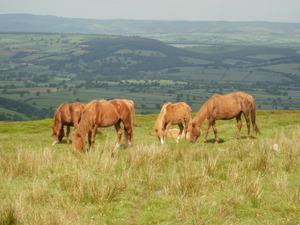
{"points": [[107, 122], [226, 113]]}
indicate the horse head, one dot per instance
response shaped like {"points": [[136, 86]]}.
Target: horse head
{"points": [[57, 134], [78, 142], [161, 135], [194, 132]]}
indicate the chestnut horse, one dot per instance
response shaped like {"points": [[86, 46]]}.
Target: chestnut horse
{"points": [[172, 114], [66, 114], [103, 114], [224, 107]]}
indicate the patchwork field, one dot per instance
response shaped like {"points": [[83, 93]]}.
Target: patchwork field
{"points": [[43, 70]]}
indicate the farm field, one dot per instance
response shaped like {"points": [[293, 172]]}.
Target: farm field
{"points": [[233, 182], [42, 70]]}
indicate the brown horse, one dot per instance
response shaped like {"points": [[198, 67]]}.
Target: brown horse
{"points": [[66, 114], [103, 114], [172, 114], [225, 107]]}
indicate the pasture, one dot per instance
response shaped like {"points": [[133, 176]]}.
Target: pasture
{"points": [[233, 182]]}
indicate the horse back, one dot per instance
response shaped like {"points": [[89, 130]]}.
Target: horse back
{"points": [[76, 110], [108, 113], [222, 107], [178, 112], [228, 106], [123, 108]]}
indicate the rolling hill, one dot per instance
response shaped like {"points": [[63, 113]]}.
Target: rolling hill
{"points": [[175, 31]]}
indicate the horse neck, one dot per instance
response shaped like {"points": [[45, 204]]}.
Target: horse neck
{"points": [[201, 115], [57, 113], [85, 123], [161, 118]]}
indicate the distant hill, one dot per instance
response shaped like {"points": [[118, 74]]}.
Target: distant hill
{"points": [[53, 24]]}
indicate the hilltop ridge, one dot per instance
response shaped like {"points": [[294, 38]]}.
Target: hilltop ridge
{"points": [[37, 23]]}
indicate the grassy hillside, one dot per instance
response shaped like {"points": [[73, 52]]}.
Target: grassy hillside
{"points": [[234, 182]]}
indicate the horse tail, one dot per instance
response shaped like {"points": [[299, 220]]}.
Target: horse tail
{"points": [[131, 107], [84, 127], [128, 124], [253, 116], [133, 115]]}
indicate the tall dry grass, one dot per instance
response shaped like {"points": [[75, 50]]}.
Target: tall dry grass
{"points": [[235, 182]]}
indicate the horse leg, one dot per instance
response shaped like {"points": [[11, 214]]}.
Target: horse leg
{"points": [[59, 135], [76, 124], [119, 132], [246, 114], [181, 127], [214, 125], [92, 136], [186, 128], [239, 126], [207, 131], [90, 139], [68, 133], [166, 127], [127, 134]]}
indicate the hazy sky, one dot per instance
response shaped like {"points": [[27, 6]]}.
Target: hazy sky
{"points": [[213, 10]]}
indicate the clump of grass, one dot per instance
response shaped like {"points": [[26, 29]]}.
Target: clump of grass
{"points": [[252, 188], [8, 215], [281, 182]]}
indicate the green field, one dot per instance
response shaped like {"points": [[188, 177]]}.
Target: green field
{"points": [[43, 70], [234, 182]]}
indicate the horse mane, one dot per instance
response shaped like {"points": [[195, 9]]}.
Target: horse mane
{"points": [[56, 114], [163, 112], [85, 125], [202, 113]]}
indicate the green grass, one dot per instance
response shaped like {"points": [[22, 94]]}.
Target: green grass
{"points": [[235, 182]]}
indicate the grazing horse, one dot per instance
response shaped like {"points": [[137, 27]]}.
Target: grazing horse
{"points": [[172, 114], [66, 114], [103, 114], [224, 107]]}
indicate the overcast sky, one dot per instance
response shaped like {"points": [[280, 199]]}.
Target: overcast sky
{"points": [[196, 10]]}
